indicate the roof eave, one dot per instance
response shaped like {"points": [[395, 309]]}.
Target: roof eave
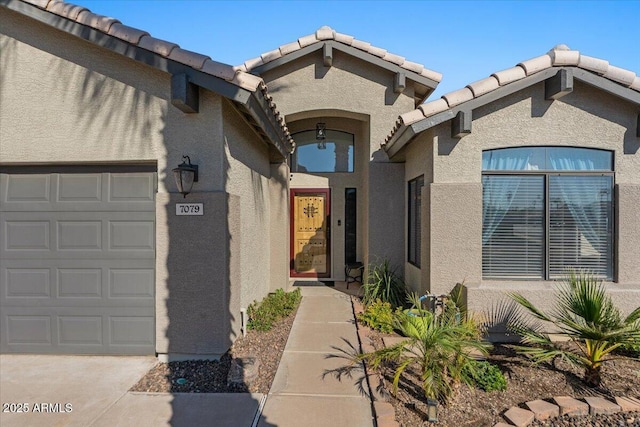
{"points": [[430, 84], [405, 134], [256, 107], [606, 85], [250, 100]]}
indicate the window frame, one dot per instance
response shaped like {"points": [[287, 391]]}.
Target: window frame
{"points": [[546, 174], [413, 257], [294, 156]]}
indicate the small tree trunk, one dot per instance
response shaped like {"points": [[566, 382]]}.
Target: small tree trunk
{"points": [[592, 376]]}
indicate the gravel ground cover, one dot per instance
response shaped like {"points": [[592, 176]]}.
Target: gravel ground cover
{"points": [[211, 376], [469, 408], [525, 382]]}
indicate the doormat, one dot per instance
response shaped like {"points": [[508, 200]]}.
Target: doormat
{"points": [[313, 283]]}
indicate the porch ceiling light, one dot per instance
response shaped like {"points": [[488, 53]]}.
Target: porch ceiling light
{"points": [[321, 135], [185, 175]]}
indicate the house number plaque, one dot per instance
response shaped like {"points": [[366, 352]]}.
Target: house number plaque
{"points": [[189, 209]]}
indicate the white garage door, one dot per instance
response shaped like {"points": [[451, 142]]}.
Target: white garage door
{"points": [[77, 261]]}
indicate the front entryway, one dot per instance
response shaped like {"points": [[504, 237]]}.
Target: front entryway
{"points": [[310, 233]]}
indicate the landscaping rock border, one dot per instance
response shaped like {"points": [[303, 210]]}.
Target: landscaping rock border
{"points": [[567, 406], [558, 411]]}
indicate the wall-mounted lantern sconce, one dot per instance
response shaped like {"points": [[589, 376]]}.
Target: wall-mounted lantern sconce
{"points": [[321, 135], [185, 175], [432, 410]]}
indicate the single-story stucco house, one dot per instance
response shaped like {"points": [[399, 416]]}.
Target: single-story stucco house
{"points": [[314, 155]]}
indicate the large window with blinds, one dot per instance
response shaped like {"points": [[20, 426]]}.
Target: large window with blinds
{"points": [[547, 209], [415, 228]]}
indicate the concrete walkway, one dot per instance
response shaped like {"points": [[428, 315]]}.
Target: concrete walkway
{"points": [[70, 391], [301, 395]]}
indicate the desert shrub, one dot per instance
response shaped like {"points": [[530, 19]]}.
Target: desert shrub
{"points": [[378, 315], [262, 315], [586, 315], [439, 345], [485, 376], [385, 284]]}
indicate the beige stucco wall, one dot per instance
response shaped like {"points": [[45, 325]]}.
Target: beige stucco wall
{"points": [[351, 93], [64, 100], [279, 229], [248, 176], [420, 164], [198, 273], [588, 117]]}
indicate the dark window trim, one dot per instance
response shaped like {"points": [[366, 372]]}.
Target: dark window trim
{"points": [[350, 224], [413, 257]]}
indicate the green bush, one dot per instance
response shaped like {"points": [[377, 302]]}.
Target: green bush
{"points": [[586, 314], [385, 284], [438, 345], [485, 376], [378, 315], [263, 315]]}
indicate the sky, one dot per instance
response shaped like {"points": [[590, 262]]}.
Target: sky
{"points": [[464, 40]]}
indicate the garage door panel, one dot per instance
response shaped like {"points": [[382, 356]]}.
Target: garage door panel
{"points": [[75, 282], [26, 329], [131, 236], [139, 188], [85, 330], [79, 283], [104, 235], [80, 331], [30, 235], [27, 283], [132, 192], [79, 235], [30, 189], [73, 188], [131, 331], [77, 263], [131, 283]]}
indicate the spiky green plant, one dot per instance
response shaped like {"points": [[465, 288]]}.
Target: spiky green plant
{"points": [[439, 345], [384, 283], [586, 315]]}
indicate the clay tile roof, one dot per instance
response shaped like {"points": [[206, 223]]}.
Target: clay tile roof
{"points": [[559, 56], [327, 33], [140, 38]]}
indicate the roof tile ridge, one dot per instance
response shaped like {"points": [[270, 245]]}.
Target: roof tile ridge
{"points": [[111, 26], [144, 40], [42, 4], [280, 119], [325, 33], [560, 56]]}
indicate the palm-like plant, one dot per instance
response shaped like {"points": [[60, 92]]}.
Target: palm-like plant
{"points": [[440, 345], [586, 315]]}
